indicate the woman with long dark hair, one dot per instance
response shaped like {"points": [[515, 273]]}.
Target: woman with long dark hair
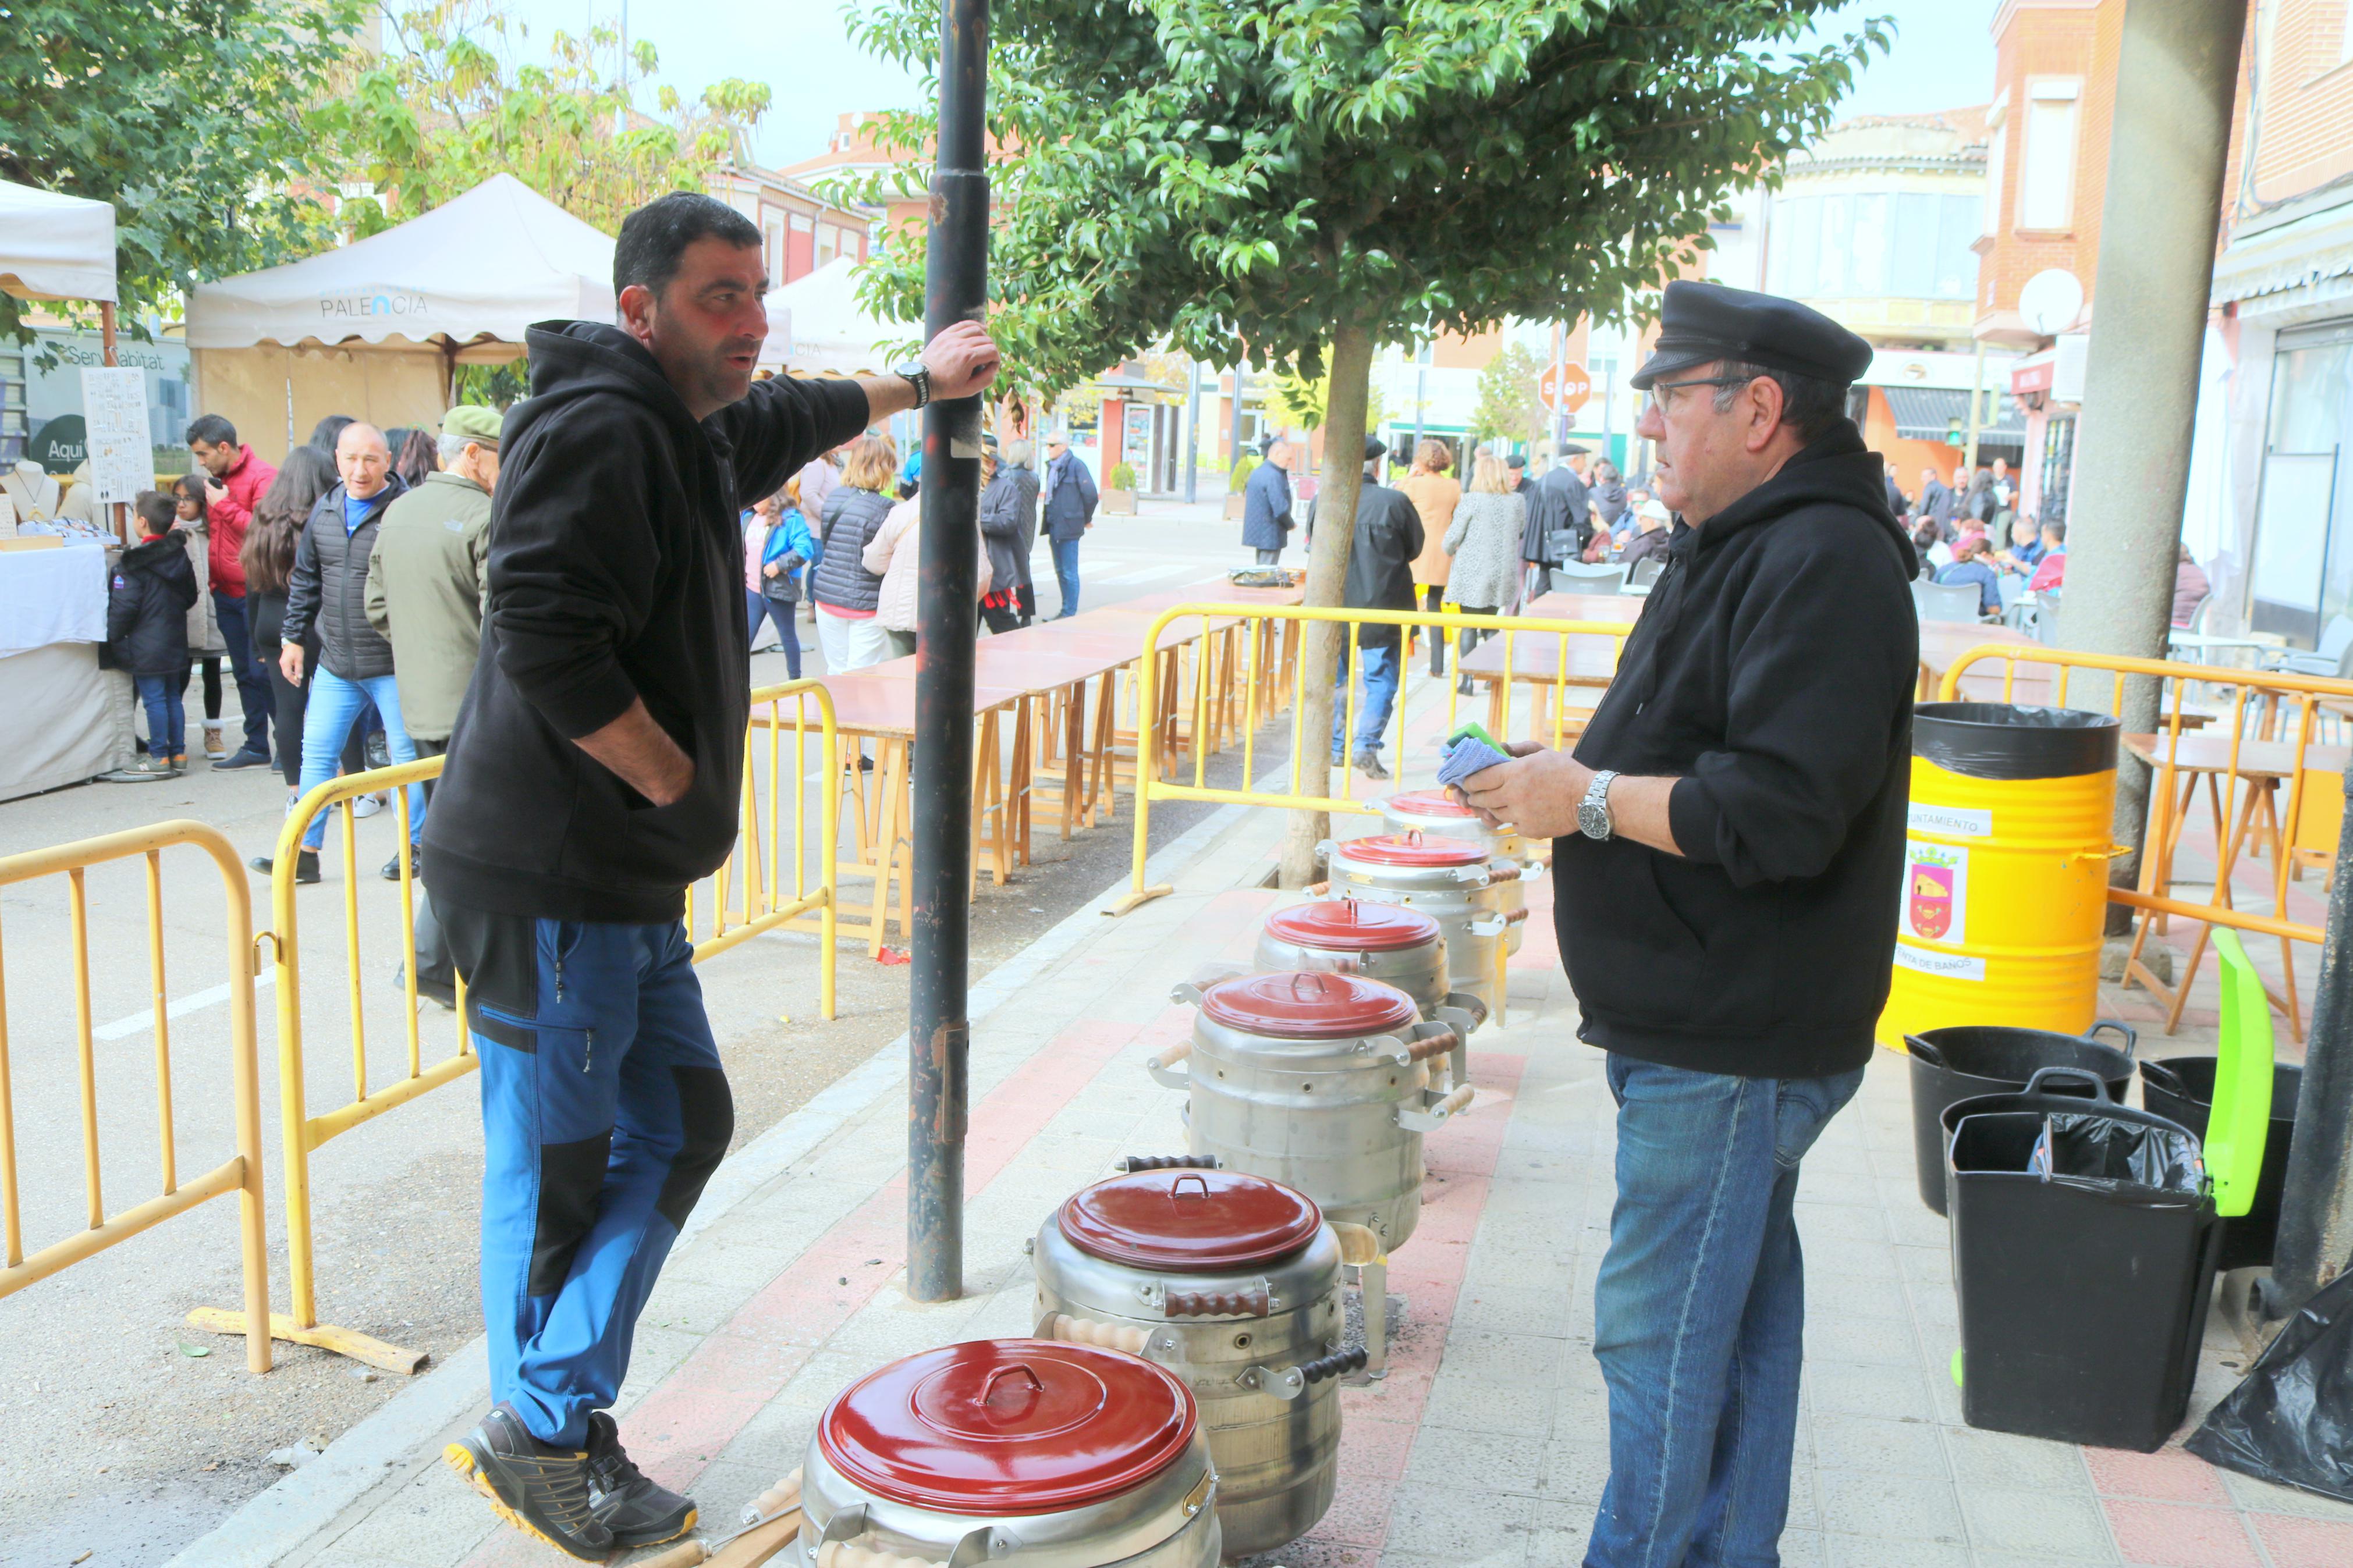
{"points": [[267, 557]]}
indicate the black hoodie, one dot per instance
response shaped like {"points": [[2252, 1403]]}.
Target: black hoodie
{"points": [[1772, 673], [147, 603], [615, 573]]}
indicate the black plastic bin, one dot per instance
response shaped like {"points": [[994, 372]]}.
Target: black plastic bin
{"points": [[2083, 1284], [2181, 1089], [1966, 1061]]}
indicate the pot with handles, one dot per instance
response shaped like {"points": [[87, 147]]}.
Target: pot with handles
{"points": [[1037, 1453], [1450, 879], [1434, 814], [1321, 1082], [1232, 1283], [1393, 944]]}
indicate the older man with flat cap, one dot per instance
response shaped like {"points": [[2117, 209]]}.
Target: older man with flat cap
{"points": [[1728, 841]]}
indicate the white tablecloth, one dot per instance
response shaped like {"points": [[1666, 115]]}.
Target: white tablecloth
{"points": [[52, 596], [54, 726]]}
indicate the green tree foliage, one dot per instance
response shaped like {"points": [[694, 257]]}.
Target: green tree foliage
{"points": [[186, 114], [1315, 178], [1300, 402], [1508, 407], [451, 102]]}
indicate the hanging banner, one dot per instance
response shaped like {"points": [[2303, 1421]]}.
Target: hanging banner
{"points": [[114, 409]]}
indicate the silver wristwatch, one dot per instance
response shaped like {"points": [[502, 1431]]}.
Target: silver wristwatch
{"points": [[1593, 811], [917, 374]]}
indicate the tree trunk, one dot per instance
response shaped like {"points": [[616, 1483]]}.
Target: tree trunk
{"points": [[1328, 576]]}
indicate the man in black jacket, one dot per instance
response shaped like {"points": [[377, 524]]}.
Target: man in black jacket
{"points": [[1728, 854], [592, 778], [1560, 518], [327, 592], [1380, 577]]}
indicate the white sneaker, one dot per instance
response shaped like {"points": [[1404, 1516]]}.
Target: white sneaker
{"points": [[365, 806]]}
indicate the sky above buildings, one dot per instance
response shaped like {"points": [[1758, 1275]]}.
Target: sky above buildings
{"points": [[1943, 57]]}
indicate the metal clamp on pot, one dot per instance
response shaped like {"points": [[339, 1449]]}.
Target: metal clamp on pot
{"points": [[1231, 1283], [1435, 1113]]}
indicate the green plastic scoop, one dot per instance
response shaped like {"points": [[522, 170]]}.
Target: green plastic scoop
{"points": [[2240, 1119]]}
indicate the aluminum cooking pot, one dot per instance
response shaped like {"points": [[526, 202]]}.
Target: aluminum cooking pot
{"points": [[1451, 879], [1393, 944], [1434, 814], [1321, 1082], [1232, 1283], [1044, 1454]]}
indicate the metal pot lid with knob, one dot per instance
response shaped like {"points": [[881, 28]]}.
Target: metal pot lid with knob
{"points": [[1190, 1222], [1007, 1428], [1349, 925], [1412, 850], [1436, 813], [1308, 1004]]}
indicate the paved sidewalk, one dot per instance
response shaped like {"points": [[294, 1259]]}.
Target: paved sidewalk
{"points": [[1486, 1446]]}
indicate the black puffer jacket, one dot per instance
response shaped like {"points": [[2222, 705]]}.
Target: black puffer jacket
{"points": [[1771, 675], [327, 592], [147, 608], [853, 519], [1001, 506]]}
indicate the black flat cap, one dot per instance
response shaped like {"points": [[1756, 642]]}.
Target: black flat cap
{"points": [[1573, 450], [1516, 460], [1703, 322], [1374, 448]]}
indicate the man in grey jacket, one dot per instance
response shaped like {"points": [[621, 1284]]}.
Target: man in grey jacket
{"points": [[1021, 464], [328, 591]]}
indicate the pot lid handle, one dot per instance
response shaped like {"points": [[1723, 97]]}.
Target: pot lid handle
{"points": [[988, 1388], [1323, 985], [1193, 1177]]}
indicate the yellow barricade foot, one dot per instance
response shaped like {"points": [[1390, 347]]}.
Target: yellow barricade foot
{"points": [[326, 1337], [1129, 901]]}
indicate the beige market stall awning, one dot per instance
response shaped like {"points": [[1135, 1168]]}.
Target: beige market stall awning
{"points": [[54, 246]]}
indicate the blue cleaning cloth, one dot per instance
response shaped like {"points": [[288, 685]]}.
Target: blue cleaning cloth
{"points": [[1467, 756]]}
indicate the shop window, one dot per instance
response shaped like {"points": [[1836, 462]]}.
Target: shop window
{"points": [[2303, 576], [2058, 467], [1997, 175]]}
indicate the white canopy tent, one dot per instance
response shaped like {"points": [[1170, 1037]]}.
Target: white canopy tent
{"points": [[54, 246], [817, 326], [373, 329]]}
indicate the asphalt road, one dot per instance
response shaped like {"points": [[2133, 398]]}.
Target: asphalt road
{"points": [[130, 1434]]}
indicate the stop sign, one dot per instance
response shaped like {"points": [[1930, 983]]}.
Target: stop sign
{"points": [[1564, 389]]}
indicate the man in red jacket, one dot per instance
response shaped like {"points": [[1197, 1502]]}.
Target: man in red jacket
{"points": [[234, 481]]}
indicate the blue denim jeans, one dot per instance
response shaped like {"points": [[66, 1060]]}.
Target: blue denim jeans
{"points": [[1380, 695], [1698, 1313], [1066, 575], [334, 706], [252, 683], [167, 727], [781, 614]]}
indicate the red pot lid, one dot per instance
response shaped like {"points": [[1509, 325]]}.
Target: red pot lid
{"points": [[1008, 1427], [1194, 1222], [1308, 1004], [1429, 803], [1353, 925], [1412, 848]]}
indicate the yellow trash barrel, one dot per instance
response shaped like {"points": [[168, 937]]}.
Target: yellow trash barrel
{"points": [[2005, 869]]}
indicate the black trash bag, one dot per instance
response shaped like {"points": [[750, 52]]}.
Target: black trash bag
{"points": [[2290, 1422], [2101, 1148]]}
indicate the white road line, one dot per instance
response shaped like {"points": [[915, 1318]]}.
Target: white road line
{"points": [[194, 1002]]}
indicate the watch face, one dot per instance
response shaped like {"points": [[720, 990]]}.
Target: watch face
{"points": [[1593, 820]]}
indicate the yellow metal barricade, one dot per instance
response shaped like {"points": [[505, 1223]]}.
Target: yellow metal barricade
{"points": [[2249, 749], [241, 1173], [752, 875]]}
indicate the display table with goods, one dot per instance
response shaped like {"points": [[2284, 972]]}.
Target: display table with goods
{"points": [[54, 727]]}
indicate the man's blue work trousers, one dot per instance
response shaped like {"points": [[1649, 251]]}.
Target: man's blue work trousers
{"points": [[1698, 1313], [604, 1112]]}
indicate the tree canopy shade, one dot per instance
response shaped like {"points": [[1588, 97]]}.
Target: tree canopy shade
{"points": [[187, 115], [449, 104]]}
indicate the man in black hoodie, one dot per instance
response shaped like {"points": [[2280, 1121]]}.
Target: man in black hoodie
{"points": [[1730, 833], [592, 778]]}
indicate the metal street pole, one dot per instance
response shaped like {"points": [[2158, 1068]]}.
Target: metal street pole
{"points": [[947, 612], [1192, 429], [1977, 405], [1234, 437]]}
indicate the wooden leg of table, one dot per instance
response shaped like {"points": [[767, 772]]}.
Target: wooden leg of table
{"points": [[2287, 1001], [1017, 781], [906, 810], [886, 846]]}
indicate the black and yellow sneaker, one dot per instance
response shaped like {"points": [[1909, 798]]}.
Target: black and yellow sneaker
{"points": [[538, 1488], [636, 1509]]}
